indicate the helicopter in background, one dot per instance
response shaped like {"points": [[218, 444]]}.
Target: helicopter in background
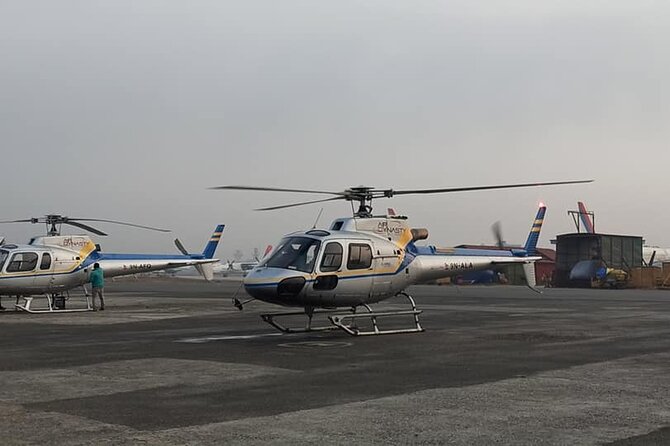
{"points": [[52, 265], [241, 267], [365, 259]]}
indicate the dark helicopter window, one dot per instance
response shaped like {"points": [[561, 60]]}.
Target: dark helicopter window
{"points": [[46, 261], [22, 261], [360, 256], [3, 257], [337, 225], [332, 257], [298, 253]]}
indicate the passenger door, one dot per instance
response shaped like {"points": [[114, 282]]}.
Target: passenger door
{"points": [[44, 274], [331, 264], [385, 263], [357, 280]]}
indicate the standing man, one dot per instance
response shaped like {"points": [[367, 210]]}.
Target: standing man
{"points": [[97, 283]]}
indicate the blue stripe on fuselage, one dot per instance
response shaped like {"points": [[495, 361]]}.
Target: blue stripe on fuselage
{"points": [[407, 259], [96, 256], [432, 251], [111, 256]]}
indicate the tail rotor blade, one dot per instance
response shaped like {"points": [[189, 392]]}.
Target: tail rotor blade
{"points": [[497, 233], [180, 247]]}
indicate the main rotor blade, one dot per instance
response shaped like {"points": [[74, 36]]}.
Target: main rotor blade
{"points": [[502, 186], [119, 223], [27, 220], [85, 227], [276, 189], [298, 204]]}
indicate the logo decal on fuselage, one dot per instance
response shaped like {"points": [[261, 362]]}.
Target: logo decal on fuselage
{"points": [[71, 242], [383, 227]]}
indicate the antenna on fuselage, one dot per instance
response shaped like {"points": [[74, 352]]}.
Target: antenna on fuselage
{"points": [[317, 219]]}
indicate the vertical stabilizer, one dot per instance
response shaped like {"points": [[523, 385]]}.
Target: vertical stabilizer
{"points": [[211, 246], [206, 270], [585, 217], [534, 235]]}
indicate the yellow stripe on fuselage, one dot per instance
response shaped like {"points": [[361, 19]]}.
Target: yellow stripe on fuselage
{"points": [[405, 239], [84, 252]]}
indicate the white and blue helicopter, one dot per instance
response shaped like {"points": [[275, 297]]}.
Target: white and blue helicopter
{"points": [[54, 264], [365, 259]]}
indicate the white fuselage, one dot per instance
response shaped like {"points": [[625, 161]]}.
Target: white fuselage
{"points": [[338, 268], [59, 263]]}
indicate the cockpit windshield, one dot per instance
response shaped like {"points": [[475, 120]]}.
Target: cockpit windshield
{"points": [[298, 253], [3, 257]]}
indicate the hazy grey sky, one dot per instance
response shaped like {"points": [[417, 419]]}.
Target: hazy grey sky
{"points": [[129, 110]]}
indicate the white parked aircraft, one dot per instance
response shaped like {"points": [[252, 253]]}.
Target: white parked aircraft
{"points": [[53, 264]]}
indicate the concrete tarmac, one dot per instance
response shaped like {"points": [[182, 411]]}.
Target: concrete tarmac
{"points": [[172, 362]]}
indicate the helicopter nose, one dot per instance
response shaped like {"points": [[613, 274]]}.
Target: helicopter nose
{"points": [[268, 287], [290, 287]]}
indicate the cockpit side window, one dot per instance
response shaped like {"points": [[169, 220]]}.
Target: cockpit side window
{"points": [[360, 256], [3, 257], [22, 262], [332, 257], [46, 261], [297, 253]]}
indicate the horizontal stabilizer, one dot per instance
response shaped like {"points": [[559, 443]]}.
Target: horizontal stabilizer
{"points": [[194, 262]]}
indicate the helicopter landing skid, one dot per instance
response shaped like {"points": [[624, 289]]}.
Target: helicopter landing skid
{"points": [[270, 319], [52, 305], [338, 320]]}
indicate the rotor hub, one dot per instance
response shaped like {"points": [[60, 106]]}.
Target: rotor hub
{"points": [[364, 196]]}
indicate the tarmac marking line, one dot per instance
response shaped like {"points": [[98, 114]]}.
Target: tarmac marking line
{"points": [[206, 339]]}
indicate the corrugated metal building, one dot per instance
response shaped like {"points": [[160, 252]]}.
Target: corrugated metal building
{"points": [[617, 251]]}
